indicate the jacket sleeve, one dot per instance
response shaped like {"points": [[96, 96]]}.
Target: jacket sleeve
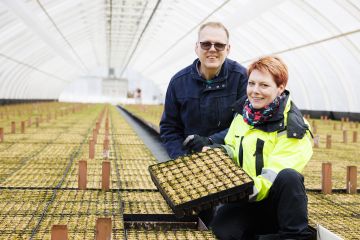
{"points": [[219, 136], [288, 153], [230, 141], [241, 91], [171, 126]]}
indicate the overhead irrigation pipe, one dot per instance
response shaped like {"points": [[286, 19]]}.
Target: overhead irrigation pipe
{"points": [[307, 44], [62, 35], [141, 35], [33, 23], [32, 67]]}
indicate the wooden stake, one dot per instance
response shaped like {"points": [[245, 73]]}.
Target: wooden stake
{"points": [[355, 136], [105, 183], [106, 144], [1, 134], [103, 229], [326, 178], [95, 135], [91, 149], [29, 122], [351, 180], [97, 126], [106, 123], [82, 181], [328, 141], [316, 141], [106, 152], [13, 127], [59, 232], [345, 136], [37, 121], [22, 126]]}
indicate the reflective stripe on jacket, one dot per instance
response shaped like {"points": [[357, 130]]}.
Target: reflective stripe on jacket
{"points": [[263, 153]]}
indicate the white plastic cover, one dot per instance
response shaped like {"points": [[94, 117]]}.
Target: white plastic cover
{"points": [[47, 44]]}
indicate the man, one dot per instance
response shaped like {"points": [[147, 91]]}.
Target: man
{"points": [[199, 97]]}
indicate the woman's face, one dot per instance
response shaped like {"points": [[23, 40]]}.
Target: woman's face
{"points": [[261, 89]]}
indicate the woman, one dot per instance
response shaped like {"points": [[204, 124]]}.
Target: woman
{"points": [[271, 141]]}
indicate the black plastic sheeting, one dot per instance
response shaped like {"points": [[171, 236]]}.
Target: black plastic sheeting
{"points": [[17, 101], [150, 137]]}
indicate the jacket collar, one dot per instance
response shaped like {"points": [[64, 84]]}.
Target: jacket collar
{"points": [[239, 105], [287, 118], [222, 76], [276, 123]]}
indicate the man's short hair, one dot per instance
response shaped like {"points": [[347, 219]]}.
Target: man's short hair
{"points": [[214, 25]]}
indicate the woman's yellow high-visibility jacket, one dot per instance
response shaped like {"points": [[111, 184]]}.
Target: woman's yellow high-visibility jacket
{"points": [[263, 151]]}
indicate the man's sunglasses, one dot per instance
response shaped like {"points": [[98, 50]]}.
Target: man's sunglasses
{"points": [[207, 45]]}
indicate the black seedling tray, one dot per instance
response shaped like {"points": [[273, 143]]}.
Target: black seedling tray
{"points": [[196, 205]]}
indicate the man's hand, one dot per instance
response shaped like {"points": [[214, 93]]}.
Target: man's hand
{"points": [[196, 142]]}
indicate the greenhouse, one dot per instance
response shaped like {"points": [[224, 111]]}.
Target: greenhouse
{"points": [[149, 119]]}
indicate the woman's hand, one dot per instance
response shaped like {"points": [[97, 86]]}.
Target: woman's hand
{"points": [[205, 148]]}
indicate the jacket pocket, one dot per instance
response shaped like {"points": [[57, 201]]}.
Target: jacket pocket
{"points": [[209, 111], [190, 114], [225, 113]]}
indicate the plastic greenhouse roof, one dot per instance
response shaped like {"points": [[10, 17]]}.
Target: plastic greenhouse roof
{"points": [[47, 44]]}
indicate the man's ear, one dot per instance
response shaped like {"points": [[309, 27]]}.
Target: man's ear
{"points": [[196, 48]]}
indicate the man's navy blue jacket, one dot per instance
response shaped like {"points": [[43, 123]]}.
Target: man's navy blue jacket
{"points": [[194, 106]]}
